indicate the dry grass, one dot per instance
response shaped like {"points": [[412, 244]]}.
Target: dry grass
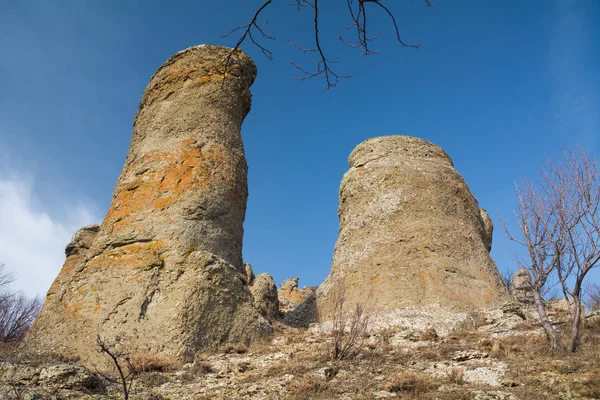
{"points": [[456, 376], [151, 363], [412, 383], [152, 379], [309, 384], [234, 349]]}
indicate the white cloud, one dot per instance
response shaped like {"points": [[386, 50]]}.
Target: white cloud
{"points": [[32, 240]]}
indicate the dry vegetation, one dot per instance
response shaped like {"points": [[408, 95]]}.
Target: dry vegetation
{"points": [[298, 364]]}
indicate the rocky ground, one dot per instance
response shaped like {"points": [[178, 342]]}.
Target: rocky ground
{"points": [[497, 355]]}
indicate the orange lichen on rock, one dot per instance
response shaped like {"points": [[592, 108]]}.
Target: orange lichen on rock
{"points": [[133, 256], [149, 189], [170, 245]]}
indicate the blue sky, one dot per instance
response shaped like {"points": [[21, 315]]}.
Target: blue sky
{"points": [[498, 85]]}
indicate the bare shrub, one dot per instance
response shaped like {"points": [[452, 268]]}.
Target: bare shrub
{"points": [[593, 296], [121, 361], [348, 330], [17, 312]]}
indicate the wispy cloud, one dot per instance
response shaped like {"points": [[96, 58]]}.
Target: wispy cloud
{"points": [[577, 104], [32, 238]]}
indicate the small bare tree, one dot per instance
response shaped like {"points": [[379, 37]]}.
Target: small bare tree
{"points": [[121, 361], [17, 312], [593, 295], [559, 223], [537, 221], [574, 185], [348, 329]]}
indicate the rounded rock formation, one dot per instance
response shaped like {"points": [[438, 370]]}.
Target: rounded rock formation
{"points": [[264, 291], [164, 270], [411, 233], [521, 289]]}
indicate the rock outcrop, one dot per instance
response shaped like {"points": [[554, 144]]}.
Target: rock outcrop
{"points": [[291, 296], [164, 271], [264, 291], [521, 289], [411, 234], [82, 240]]}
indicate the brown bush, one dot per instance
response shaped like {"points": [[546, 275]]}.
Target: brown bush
{"points": [[234, 349], [411, 382], [456, 376], [150, 363], [309, 384]]}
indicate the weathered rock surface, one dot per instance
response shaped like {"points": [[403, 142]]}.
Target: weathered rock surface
{"points": [[82, 240], [249, 274], [291, 296], [521, 289], [264, 291], [164, 271], [411, 233]]}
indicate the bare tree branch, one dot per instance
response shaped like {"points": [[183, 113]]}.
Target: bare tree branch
{"points": [[322, 64], [17, 312], [120, 359], [559, 224]]}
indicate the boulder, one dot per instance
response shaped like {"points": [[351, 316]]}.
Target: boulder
{"points": [[264, 291], [521, 289], [163, 273], [411, 234]]}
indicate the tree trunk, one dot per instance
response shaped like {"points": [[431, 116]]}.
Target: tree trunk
{"points": [[575, 323], [550, 331]]}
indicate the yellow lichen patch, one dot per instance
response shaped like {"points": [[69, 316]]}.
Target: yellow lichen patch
{"points": [[133, 256], [73, 309], [190, 170], [176, 75]]}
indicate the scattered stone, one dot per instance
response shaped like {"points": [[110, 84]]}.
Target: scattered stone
{"points": [[327, 372], [503, 321], [493, 395], [593, 316], [464, 355], [72, 378], [560, 305], [490, 376]]}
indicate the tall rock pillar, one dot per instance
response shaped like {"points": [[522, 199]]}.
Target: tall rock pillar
{"points": [[411, 234], [163, 270]]}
